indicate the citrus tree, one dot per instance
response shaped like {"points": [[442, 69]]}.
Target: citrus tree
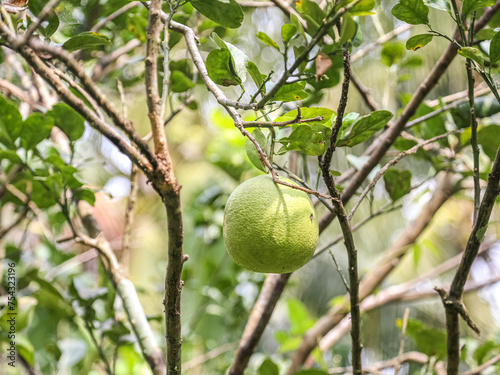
{"points": [[97, 90]]}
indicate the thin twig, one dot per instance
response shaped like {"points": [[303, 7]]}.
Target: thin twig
{"points": [[397, 366], [214, 353], [129, 220], [76, 68], [322, 31], [324, 163], [379, 148], [113, 15], [389, 260], [389, 207], [484, 366], [339, 270], [384, 38], [42, 16], [394, 161]]}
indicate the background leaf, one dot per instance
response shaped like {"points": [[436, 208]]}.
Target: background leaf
{"points": [[397, 183], [68, 120], [86, 40], [219, 70], [227, 13], [414, 12], [252, 152], [291, 92], [418, 41], [364, 128]]}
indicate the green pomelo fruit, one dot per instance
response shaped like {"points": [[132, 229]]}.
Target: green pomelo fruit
{"points": [[270, 227]]}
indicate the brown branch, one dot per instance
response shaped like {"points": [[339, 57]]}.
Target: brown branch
{"points": [[171, 116], [268, 124], [416, 357], [205, 357], [379, 148], [113, 15], [288, 10], [397, 366], [324, 163], [390, 295], [9, 88], [257, 322], [384, 38], [327, 24], [124, 287], [256, 4], [129, 220], [42, 16], [105, 64], [484, 366], [15, 223], [165, 183], [453, 299], [444, 190], [391, 163], [76, 68]]}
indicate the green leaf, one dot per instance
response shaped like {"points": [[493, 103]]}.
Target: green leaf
{"points": [[485, 34], [473, 5], [312, 14], [311, 140], [288, 32], [36, 128], [418, 41], [10, 123], [412, 61], [268, 367], [347, 121], [392, 53], [254, 72], [473, 54], [397, 183], [300, 321], [84, 195], [36, 6], [25, 348], [348, 29], [219, 69], [439, 5], [252, 152], [432, 127], [495, 48], [266, 39], [364, 128], [414, 12], [489, 139], [179, 82], [10, 155], [429, 340], [68, 120], [417, 254], [363, 8], [227, 13], [86, 40], [308, 113], [290, 92], [239, 59]]}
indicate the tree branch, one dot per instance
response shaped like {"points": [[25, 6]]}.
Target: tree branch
{"points": [[453, 299], [390, 259], [379, 148]]}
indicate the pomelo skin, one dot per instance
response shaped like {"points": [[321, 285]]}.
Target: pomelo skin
{"points": [[270, 227]]}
